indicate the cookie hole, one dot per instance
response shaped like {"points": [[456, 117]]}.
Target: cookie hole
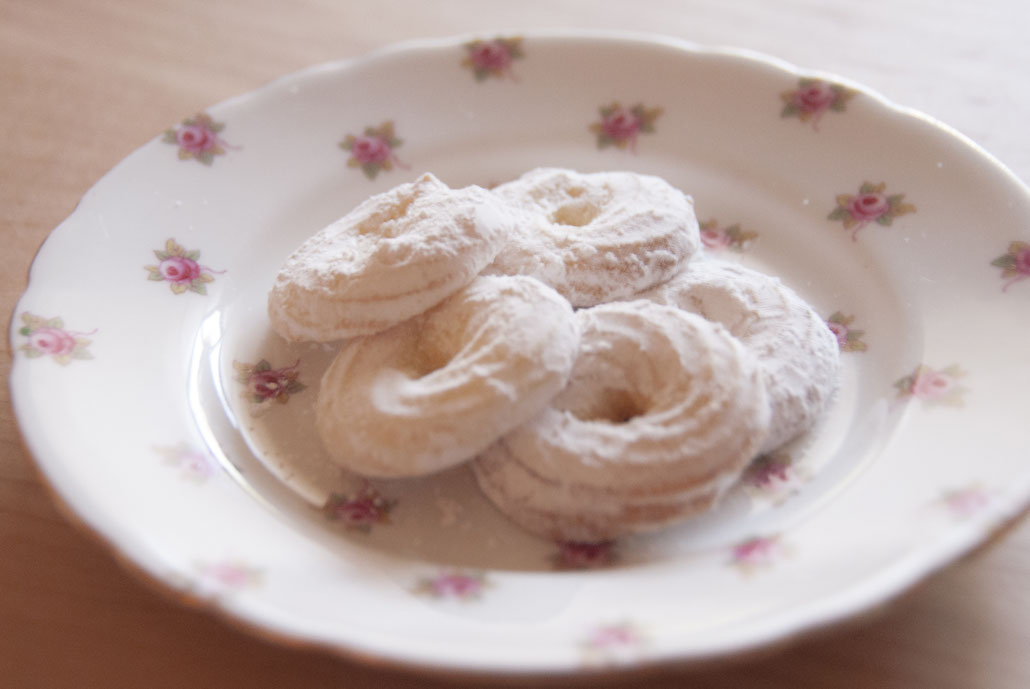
{"points": [[575, 214], [425, 350], [612, 406], [422, 362]]}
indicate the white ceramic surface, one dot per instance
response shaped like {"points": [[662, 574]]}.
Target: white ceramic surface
{"points": [[140, 389]]}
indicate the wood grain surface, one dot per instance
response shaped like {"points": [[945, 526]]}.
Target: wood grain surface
{"points": [[82, 84]]}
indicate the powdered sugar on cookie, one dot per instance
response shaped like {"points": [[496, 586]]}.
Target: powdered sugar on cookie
{"points": [[391, 258], [635, 411], [596, 237], [798, 355]]}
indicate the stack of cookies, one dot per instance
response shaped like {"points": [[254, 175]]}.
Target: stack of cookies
{"points": [[565, 335]]}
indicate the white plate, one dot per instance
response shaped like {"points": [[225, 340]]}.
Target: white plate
{"points": [[905, 233]]}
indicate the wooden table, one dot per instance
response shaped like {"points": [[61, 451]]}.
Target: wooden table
{"points": [[82, 84]]}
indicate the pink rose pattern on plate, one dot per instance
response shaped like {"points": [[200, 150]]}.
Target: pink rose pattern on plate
{"points": [[613, 643], [773, 477], [179, 268], [870, 205], [49, 337], [620, 127], [493, 58], [967, 501], [813, 98], [231, 574], [1014, 264], [717, 238], [932, 386], [581, 555], [453, 585], [193, 465], [265, 384], [198, 138], [360, 511], [373, 150], [756, 553], [849, 339]]}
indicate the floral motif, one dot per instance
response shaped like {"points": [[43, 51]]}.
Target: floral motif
{"points": [[360, 511], [849, 339], [620, 126], [179, 268], [936, 386], [453, 584], [231, 574], [1014, 264], [582, 555], [614, 643], [871, 204], [265, 384], [198, 138], [193, 465], [716, 238], [768, 470], [813, 98], [773, 477], [373, 150], [493, 58], [967, 501], [756, 553], [49, 337]]}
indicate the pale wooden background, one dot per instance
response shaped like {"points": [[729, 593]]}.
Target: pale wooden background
{"points": [[84, 83]]}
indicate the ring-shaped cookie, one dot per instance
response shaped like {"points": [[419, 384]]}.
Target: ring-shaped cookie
{"points": [[596, 237], [663, 411], [394, 256], [798, 354], [438, 389]]}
